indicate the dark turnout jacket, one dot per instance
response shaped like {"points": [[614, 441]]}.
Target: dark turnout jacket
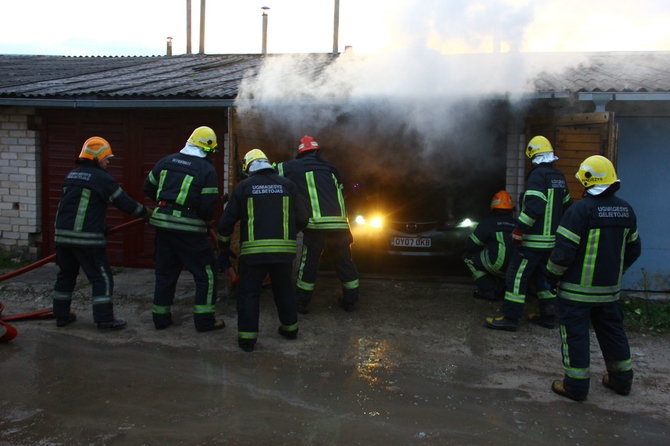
{"points": [[270, 212], [596, 241], [185, 188], [319, 181], [87, 190], [543, 203], [493, 236]]}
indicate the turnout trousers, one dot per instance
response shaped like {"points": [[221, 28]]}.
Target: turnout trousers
{"points": [[95, 263], [314, 243], [486, 278], [527, 266], [607, 322], [175, 250], [248, 297]]}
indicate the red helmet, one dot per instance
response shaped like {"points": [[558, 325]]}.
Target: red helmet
{"points": [[307, 143], [501, 200]]}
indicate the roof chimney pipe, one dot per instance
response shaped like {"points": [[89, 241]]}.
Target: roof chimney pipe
{"points": [[336, 26], [264, 49], [188, 26], [202, 26], [169, 46]]}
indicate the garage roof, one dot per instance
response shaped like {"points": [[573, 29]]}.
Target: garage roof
{"points": [[217, 77]]}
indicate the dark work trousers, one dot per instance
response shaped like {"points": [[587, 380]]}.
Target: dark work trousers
{"points": [[607, 322], [95, 264], [175, 250], [486, 280], [248, 296], [314, 243], [525, 266]]}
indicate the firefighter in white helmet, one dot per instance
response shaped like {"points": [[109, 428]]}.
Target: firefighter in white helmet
{"points": [[543, 203], [270, 211], [596, 242], [488, 249], [80, 233], [320, 184], [185, 187]]}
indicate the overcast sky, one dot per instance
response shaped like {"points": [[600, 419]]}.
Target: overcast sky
{"points": [[140, 27]]}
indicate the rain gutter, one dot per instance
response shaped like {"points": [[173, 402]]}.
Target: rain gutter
{"points": [[600, 99], [118, 103]]}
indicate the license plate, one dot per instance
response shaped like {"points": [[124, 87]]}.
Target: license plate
{"points": [[411, 242]]}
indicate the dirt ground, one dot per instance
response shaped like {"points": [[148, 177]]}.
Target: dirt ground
{"points": [[412, 365]]}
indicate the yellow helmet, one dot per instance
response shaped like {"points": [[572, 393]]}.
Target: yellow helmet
{"points": [[252, 155], [595, 170], [538, 144], [205, 138], [96, 147]]}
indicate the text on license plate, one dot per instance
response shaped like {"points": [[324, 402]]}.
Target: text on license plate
{"points": [[411, 242]]}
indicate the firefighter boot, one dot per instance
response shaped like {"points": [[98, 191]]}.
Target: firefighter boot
{"points": [[302, 298], [558, 387], [501, 323], [288, 334], [246, 345], [215, 325], [547, 316], [114, 324], [486, 289], [620, 386], [63, 321], [162, 320]]}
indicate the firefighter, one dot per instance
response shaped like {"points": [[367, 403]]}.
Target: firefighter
{"points": [[80, 233], [270, 212], [184, 185], [596, 242], [543, 202], [488, 249], [319, 183]]}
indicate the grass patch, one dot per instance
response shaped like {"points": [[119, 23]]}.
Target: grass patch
{"points": [[646, 315], [11, 260]]}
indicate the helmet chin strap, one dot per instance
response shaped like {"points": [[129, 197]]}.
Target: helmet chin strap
{"points": [[544, 157]]}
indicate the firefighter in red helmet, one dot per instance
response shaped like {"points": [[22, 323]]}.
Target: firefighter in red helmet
{"points": [[80, 233], [319, 182], [489, 247]]}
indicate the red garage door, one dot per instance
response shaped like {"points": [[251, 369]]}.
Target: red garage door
{"points": [[139, 138]]}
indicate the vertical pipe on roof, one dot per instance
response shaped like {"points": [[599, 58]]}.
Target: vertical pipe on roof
{"points": [[188, 26], [202, 26], [336, 26], [264, 44]]}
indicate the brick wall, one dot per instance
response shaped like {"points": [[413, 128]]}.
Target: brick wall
{"points": [[516, 158], [19, 182]]}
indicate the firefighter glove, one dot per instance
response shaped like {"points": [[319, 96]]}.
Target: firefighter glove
{"points": [[517, 236]]}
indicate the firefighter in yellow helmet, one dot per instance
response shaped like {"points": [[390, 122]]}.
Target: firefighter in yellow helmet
{"points": [[596, 242], [542, 205], [270, 211], [185, 187], [488, 249], [80, 233]]}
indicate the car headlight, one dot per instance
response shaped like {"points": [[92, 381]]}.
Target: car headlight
{"points": [[373, 222], [466, 223]]}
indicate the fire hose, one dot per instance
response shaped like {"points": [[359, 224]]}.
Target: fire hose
{"points": [[9, 331]]}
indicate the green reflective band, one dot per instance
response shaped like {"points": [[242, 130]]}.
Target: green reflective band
{"points": [[588, 298], [590, 257], [351, 285], [101, 300], [183, 190], [250, 219], [211, 285], [223, 238], [548, 212], [292, 327], [313, 225], [305, 285], [116, 194], [590, 288], [247, 334], [476, 240], [81, 209], [159, 309], [516, 287], [526, 219], [286, 201], [634, 236], [619, 366], [519, 298], [576, 373], [268, 245], [555, 268], [340, 197], [566, 198], [500, 258], [152, 178], [65, 236], [83, 235], [203, 309], [545, 295], [476, 274], [163, 175], [62, 295], [313, 194], [565, 351], [535, 193], [280, 169], [209, 190], [177, 223], [576, 239]]}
